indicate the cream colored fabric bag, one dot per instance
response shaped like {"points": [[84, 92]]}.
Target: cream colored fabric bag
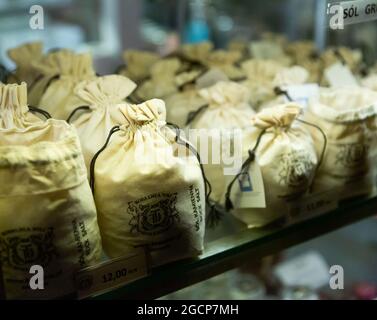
{"points": [[225, 61], [348, 116], [286, 156], [260, 76], [103, 96], [138, 64], [162, 82], [147, 196], [24, 56], [59, 98], [228, 109], [47, 211], [48, 69]]}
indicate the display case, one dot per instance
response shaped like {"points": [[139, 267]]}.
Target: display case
{"points": [[289, 33]]}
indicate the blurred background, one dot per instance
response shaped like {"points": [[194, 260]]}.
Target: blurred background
{"points": [[108, 27]]}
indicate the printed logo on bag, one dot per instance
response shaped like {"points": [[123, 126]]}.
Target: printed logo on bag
{"points": [[29, 246], [295, 167], [153, 214], [352, 155]]}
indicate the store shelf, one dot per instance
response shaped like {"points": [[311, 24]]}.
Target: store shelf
{"points": [[237, 245]]}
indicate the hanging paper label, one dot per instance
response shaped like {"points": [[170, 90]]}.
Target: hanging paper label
{"points": [[248, 189], [110, 274], [339, 75], [302, 93]]}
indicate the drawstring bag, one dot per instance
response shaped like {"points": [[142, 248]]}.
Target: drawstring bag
{"points": [[162, 82], [348, 116], [48, 70], [196, 52], [47, 211], [148, 196], [351, 58], [24, 56], [225, 61], [186, 100], [226, 108], [102, 96], [285, 153], [260, 75], [295, 75], [138, 64], [65, 70]]}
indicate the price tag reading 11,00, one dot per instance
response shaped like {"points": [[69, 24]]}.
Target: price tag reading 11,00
{"points": [[110, 274]]}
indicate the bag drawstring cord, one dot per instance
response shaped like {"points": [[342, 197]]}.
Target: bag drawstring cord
{"points": [[83, 108], [214, 215], [244, 169], [40, 111], [94, 159], [193, 114]]}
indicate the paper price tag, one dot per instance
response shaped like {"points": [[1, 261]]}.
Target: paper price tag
{"points": [[302, 93], [309, 270], [314, 204], [248, 189], [110, 274], [339, 75]]}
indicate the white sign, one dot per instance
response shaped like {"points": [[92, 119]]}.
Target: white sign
{"points": [[302, 93], [339, 75]]}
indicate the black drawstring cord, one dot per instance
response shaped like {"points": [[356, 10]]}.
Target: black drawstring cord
{"points": [[279, 91], [320, 160], [193, 114], [244, 169], [40, 111], [86, 108], [56, 77], [94, 159], [214, 215]]}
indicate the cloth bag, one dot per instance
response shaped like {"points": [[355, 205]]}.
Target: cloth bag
{"points": [[162, 82], [287, 159], [227, 109], [295, 75], [24, 56], [103, 96], [46, 187], [63, 71], [186, 100], [260, 75], [370, 82], [348, 116], [147, 196], [138, 64], [225, 61]]}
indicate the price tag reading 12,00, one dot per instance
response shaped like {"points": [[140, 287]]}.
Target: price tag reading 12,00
{"points": [[110, 274]]}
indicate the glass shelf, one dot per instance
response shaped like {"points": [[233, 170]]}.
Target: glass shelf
{"points": [[231, 244]]}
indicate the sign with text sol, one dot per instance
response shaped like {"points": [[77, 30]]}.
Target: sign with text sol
{"points": [[110, 274]]}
